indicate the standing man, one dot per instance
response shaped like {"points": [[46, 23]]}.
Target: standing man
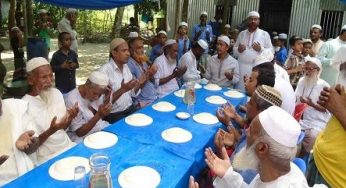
{"points": [[315, 36], [157, 49], [222, 69], [123, 85], [326, 54], [249, 45], [203, 30], [68, 24], [46, 108], [167, 70]]}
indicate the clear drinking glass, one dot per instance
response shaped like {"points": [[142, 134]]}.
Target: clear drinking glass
{"points": [[100, 176], [79, 177]]}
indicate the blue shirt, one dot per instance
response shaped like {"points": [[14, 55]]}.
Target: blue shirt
{"points": [[155, 52], [181, 43], [216, 26], [206, 33], [281, 56], [148, 91]]}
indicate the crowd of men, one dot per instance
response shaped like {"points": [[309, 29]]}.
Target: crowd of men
{"points": [[297, 101]]}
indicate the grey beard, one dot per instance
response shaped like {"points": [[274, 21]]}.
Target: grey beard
{"points": [[171, 61], [311, 81], [246, 158]]}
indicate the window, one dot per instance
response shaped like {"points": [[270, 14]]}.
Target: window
{"points": [[331, 22]]}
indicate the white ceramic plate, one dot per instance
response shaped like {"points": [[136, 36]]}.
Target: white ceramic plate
{"points": [[212, 87], [182, 115], [198, 86], [100, 140], [63, 169], [179, 93], [176, 135], [164, 106], [139, 176], [214, 99], [233, 94], [205, 118], [138, 120]]}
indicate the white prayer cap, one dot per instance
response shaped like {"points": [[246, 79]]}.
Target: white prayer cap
{"points": [[343, 27], [99, 78], [42, 11], [170, 42], [183, 24], [115, 43], [264, 57], [227, 26], [225, 39], [313, 60], [282, 36], [280, 126], [276, 37], [307, 41], [133, 35], [202, 44], [316, 26], [15, 28], [35, 62], [204, 13], [71, 10], [253, 14], [162, 32]]}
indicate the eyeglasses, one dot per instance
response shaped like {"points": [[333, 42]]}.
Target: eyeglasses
{"points": [[309, 69]]}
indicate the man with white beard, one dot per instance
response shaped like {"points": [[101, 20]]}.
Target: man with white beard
{"points": [[339, 62], [46, 108], [271, 145], [167, 70], [263, 97], [309, 87], [250, 43]]}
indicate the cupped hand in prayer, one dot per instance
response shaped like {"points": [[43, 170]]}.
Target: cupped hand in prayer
{"points": [[3, 158], [257, 46], [333, 99], [241, 48], [229, 75], [223, 138], [152, 70], [192, 183], [104, 109], [25, 140], [129, 85], [217, 165], [179, 71]]}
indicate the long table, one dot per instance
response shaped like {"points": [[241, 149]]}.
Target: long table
{"points": [[145, 146]]}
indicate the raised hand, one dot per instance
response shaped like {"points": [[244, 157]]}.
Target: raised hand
{"points": [[241, 48], [229, 75], [129, 85], [104, 109], [179, 71], [152, 71], [217, 165], [257, 46], [24, 140], [3, 158], [192, 183], [333, 99]]}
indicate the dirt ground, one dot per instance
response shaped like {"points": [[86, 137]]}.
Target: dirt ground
{"points": [[91, 57]]}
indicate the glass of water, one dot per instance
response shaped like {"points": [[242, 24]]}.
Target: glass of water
{"points": [[79, 177]]}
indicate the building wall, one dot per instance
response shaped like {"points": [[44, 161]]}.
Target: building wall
{"points": [[241, 10]]}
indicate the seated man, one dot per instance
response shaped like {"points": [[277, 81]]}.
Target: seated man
{"points": [[17, 141], [263, 97], [190, 60], [309, 87], [123, 85], [167, 70], [139, 67], [271, 145], [46, 108], [222, 69], [89, 119]]}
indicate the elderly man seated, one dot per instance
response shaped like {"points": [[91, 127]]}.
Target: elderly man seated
{"points": [[167, 70], [271, 144], [263, 97], [17, 141], [46, 107], [309, 87], [222, 69], [89, 119], [123, 85]]}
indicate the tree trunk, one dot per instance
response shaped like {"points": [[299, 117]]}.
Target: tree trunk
{"points": [[117, 22], [11, 14], [29, 17]]}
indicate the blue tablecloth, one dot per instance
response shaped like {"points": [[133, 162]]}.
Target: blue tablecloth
{"points": [[145, 146]]}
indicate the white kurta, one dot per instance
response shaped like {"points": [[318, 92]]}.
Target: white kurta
{"points": [[312, 118], [42, 111], [216, 69], [116, 76], [65, 26], [287, 94], [281, 72], [294, 179], [13, 122], [326, 53], [316, 46], [247, 57], [189, 60], [164, 69], [338, 59], [84, 116]]}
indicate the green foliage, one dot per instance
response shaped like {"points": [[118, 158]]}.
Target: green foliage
{"points": [[148, 7]]}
